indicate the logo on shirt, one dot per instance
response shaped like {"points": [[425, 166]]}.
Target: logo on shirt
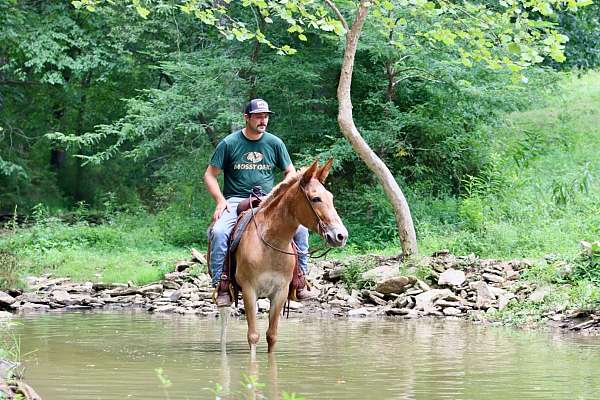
{"points": [[251, 161], [254, 157]]}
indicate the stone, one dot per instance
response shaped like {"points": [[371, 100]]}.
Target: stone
{"points": [[393, 285], [175, 296], [425, 301], [485, 295], [451, 311], [155, 288], [5, 317], [32, 298], [334, 274], [107, 286], [397, 311], [381, 273], [493, 278], [359, 312], [423, 286], [27, 307], [373, 297], [165, 308], [452, 277], [197, 256], [6, 299], [63, 297], [263, 304]]}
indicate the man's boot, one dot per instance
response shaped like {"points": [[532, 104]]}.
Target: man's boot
{"points": [[223, 295], [306, 292]]}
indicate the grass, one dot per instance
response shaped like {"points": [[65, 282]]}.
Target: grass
{"points": [[547, 163], [129, 249]]}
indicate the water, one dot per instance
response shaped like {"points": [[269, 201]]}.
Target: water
{"points": [[116, 355]]}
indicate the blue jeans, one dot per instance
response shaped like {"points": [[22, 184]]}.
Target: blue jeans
{"points": [[219, 238]]}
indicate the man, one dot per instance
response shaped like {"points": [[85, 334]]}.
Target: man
{"points": [[247, 158]]}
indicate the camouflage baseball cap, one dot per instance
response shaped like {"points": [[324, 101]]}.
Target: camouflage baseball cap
{"points": [[257, 106]]}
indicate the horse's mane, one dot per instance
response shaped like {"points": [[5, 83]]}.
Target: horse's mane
{"points": [[282, 187]]}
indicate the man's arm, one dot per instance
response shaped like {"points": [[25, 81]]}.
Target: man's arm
{"points": [[289, 170], [210, 180]]}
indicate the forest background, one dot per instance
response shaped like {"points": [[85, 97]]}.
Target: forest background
{"points": [[108, 118]]}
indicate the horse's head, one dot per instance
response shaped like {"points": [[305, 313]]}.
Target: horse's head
{"points": [[318, 213]]}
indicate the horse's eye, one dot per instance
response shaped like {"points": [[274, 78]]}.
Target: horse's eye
{"points": [[316, 200]]}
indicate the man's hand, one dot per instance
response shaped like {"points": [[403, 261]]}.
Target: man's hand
{"points": [[221, 206]]}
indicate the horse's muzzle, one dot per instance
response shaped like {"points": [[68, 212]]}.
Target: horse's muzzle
{"points": [[336, 236]]}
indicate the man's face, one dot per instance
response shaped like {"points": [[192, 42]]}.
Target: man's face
{"points": [[257, 122]]}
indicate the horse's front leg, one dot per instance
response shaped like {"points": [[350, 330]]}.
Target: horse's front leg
{"points": [[277, 303], [250, 308]]}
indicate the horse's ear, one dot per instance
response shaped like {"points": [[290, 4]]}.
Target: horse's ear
{"points": [[309, 173], [324, 171]]}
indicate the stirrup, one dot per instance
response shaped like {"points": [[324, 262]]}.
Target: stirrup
{"points": [[224, 286]]}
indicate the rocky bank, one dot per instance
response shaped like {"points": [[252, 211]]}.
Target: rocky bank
{"points": [[456, 287]]}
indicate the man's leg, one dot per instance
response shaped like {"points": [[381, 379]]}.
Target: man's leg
{"points": [[301, 239], [219, 238]]}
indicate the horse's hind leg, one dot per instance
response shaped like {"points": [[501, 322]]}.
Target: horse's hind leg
{"points": [[250, 309], [277, 303]]}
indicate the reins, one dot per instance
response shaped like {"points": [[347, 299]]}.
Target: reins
{"points": [[320, 229]]}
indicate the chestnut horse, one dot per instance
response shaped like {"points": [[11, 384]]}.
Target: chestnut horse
{"points": [[265, 260]]}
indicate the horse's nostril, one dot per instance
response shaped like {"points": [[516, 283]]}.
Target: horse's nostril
{"points": [[340, 237], [328, 237]]}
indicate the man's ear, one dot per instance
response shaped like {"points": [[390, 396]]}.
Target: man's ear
{"points": [[309, 173], [324, 171]]}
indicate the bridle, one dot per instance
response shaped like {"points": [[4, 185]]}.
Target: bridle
{"points": [[320, 228]]}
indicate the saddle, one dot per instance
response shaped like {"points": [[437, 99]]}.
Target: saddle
{"points": [[245, 215]]}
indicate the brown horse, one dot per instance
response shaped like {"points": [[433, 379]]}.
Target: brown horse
{"points": [[265, 260]]}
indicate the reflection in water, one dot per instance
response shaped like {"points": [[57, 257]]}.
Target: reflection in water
{"points": [[114, 356]]}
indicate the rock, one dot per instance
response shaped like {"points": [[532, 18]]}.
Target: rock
{"points": [[451, 311], [333, 275], [6, 299], [182, 265], [393, 285], [539, 294], [27, 307], [295, 305], [381, 273], [493, 278], [397, 311], [359, 312], [423, 286], [175, 296], [63, 297], [155, 288], [165, 308], [452, 277], [485, 296], [263, 304], [425, 300], [32, 298], [5, 316], [199, 257], [353, 302], [107, 286]]}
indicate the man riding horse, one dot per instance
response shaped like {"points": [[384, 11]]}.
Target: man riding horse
{"points": [[247, 158]]}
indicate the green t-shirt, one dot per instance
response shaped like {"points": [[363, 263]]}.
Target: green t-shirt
{"points": [[247, 163]]}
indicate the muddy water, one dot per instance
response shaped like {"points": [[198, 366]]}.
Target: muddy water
{"points": [[117, 355]]}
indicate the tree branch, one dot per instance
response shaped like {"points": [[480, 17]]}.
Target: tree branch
{"points": [[338, 14]]}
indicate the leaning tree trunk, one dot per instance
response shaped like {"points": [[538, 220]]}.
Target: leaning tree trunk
{"points": [[404, 221]]}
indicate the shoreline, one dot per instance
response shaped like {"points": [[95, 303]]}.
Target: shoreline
{"points": [[464, 287]]}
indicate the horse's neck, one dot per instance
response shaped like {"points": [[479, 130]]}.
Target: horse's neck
{"points": [[278, 223]]}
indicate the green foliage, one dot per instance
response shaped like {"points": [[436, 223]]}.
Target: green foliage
{"points": [[352, 273], [587, 265], [9, 271]]}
